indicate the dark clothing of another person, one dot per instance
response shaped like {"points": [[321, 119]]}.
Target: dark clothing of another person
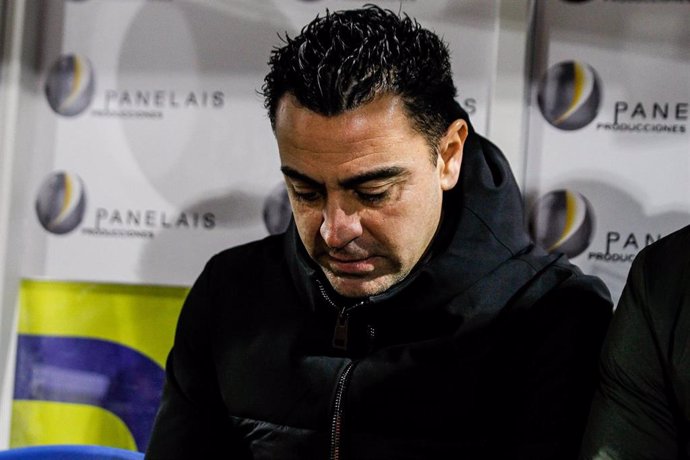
{"points": [[487, 349], [642, 409]]}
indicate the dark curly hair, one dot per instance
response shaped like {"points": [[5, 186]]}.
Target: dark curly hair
{"points": [[347, 58]]}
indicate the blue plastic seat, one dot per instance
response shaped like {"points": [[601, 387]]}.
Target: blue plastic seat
{"points": [[69, 452]]}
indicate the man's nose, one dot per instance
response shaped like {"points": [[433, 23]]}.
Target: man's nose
{"points": [[340, 225]]}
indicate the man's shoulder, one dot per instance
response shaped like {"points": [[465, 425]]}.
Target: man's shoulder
{"points": [[270, 247], [564, 295], [667, 255], [564, 319], [249, 257], [247, 271], [563, 283], [659, 275]]}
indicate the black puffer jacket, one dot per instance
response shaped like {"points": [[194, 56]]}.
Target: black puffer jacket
{"points": [[487, 350]]}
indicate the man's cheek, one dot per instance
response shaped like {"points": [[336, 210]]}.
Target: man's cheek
{"points": [[309, 230]]}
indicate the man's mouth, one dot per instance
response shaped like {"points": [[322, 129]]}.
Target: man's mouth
{"points": [[343, 264]]}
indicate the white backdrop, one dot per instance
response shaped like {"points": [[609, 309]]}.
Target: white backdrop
{"points": [[156, 151], [619, 136]]}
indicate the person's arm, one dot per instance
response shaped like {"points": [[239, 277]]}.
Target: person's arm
{"points": [[631, 415], [569, 327], [192, 421]]}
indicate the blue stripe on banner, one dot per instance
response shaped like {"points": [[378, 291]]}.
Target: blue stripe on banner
{"points": [[91, 371]]}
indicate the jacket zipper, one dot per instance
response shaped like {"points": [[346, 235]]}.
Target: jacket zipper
{"points": [[371, 332], [340, 336], [340, 333], [337, 420]]}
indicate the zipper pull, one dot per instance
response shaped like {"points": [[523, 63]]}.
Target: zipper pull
{"points": [[371, 333], [340, 332]]}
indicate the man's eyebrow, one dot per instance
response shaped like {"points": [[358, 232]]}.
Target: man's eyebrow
{"points": [[376, 174], [351, 182], [294, 174]]}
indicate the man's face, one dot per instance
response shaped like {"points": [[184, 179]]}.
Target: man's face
{"points": [[364, 193]]}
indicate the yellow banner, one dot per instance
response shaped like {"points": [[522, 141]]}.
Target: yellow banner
{"points": [[90, 360]]}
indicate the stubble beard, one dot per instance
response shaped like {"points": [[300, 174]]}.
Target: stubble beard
{"points": [[363, 286]]}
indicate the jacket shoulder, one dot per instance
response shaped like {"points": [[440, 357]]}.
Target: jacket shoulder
{"points": [[565, 309], [249, 257], [243, 271], [579, 299], [563, 287], [660, 271], [667, 257], [658, 281]]}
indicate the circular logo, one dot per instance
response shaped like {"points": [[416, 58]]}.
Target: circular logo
{"points": [[61, 202], [70, 85], [562, 221], [569, 95], [277, 210]]}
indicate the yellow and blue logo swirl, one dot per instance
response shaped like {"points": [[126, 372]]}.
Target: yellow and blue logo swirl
{"points": [[70, 85], [569, 95], [562, 221], [61, 202]]}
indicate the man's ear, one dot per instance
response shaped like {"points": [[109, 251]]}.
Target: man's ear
{"points": [[450, 153]]}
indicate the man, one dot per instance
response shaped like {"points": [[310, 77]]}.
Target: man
{"points": [[642, 408], [404, 313]]}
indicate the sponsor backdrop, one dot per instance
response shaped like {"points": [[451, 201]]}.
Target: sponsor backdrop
{"points": [[151, 152], [608, 169], [161, 150]]}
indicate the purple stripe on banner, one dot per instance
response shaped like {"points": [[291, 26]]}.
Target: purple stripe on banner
{"points": [[94, 372]]}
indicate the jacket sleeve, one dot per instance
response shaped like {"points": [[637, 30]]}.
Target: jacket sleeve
{"points": [[631, 416], [191, 421], [568, 326]]}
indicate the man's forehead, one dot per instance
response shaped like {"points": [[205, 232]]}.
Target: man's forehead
{"points": [[383, 112], [335, 149], [370, 135]]}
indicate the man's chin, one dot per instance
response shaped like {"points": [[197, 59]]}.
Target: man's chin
{"points": [[356, 287]]}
